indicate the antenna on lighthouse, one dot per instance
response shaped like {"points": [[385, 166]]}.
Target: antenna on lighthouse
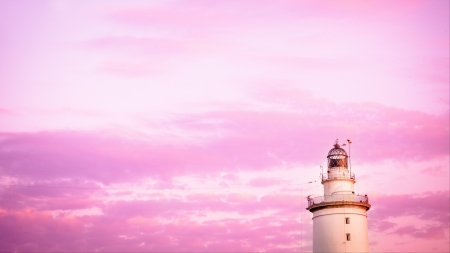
{"points": [[349, 156]]}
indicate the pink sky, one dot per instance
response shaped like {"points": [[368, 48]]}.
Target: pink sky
{"points": [[193, 125]]}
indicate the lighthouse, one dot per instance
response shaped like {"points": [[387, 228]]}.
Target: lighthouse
{"points": [[339, 216]]}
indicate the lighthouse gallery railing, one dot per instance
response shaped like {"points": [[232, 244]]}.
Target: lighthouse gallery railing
{"points": [[338, 197], [337, 175]]}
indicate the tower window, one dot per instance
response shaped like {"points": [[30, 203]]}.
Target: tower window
{"points": [[348, 237], [347, 220]]}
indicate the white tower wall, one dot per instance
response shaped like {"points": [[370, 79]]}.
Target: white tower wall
{"points": [[338, 187], [330, 230]]}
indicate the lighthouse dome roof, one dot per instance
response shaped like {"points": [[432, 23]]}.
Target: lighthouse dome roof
{"points": [[337, 151]]}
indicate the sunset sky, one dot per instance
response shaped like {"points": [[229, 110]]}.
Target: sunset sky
{"points": [[195, 125]]}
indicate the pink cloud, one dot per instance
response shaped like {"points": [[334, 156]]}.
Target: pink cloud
{"points": [[16, 199], [29, 230], [381, 225], [137, 233], [215, 16], [432, 232], [195, 18], [249, 140], [230, 177], [130, 56], [431, 206], [131, 69], [433, 170], [137, 45], [264, 182], [137, 224]]}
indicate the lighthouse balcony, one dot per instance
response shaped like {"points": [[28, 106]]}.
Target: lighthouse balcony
{"points": [[337, 175], [338, 199]]}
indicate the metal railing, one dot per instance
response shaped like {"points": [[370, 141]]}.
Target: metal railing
{"points": [[338, 175], [338, 197]]}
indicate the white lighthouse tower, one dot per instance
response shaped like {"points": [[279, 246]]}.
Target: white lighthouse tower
{"points": [[339, 216]]}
